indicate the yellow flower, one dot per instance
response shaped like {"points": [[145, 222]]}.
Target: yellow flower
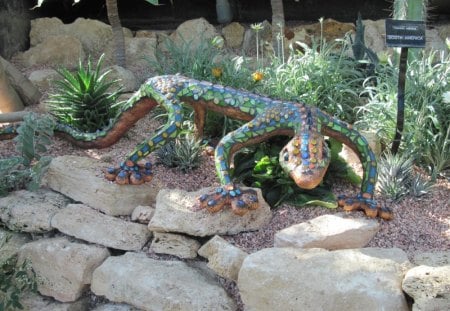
{"points": [[217, 72], [257, 76]]}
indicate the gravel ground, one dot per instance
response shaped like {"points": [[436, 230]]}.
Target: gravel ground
{"points": [[420, 224]]}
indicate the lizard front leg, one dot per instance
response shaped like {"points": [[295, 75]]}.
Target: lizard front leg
{"points": [[240, 201], [344, 133], [129, 171]]}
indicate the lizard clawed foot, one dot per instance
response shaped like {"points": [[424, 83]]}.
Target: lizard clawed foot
{"points": [[369, 206], [240, 201], [130, 173]]}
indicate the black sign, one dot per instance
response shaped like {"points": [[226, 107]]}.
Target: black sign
{"points": [[400, 33]]}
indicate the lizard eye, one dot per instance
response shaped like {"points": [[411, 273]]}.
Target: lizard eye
{"points": [[286, 155]]}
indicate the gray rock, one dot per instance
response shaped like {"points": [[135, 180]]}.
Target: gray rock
{"points": [[432, 259], [142, 214], [35, 302], [176, 212], [93, 35], [152, 284], [329, 232], [316, 279], [124, 76], [434, 304], [424, 282], [194, 32], [31, 211], [43, 78], [56, 51], [223, 258], [81, 179], [233, 34], [84, 223], [175, 244], [63, 268], [114, 307]]}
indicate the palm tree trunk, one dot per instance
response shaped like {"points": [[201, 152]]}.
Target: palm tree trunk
{"points": [[119, 40], [277, 23]]}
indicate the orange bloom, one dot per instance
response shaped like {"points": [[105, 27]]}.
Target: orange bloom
{"points": [[217, 72], [257, 76]]}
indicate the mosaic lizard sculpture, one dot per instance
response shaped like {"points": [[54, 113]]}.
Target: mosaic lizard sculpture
{"points": [[305, 158]]}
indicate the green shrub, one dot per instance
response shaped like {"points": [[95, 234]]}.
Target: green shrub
{"points": [[396, 177], [322, 76], [426, 128], [82, 99], [14, 281], [27, 169], [259, 167], [183, 152]]}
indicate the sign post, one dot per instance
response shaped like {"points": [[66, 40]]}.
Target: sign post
{"points": [[404, 34]]}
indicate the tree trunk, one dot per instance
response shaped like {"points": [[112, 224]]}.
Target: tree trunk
{"points": [[27, 91], [277, 23], [9, 100], [119, 40]]}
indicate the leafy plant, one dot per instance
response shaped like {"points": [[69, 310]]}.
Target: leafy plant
{"points": [[259, 167], [14, 281], [426, 129], [82, 99], [396, 177], [323, 76], [183, 152], [26, 170]]}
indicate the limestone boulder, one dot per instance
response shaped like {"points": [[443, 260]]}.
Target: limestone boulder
{"points": [[330, 232], [114, 307], [428, 286], [81, 179], [152, 284], [432, 259], [43, 78], [125, 77], [64, 269], [55, 51], [175, 244], [176, 211], [233, 34], [93, 34], [223, 258], [84, 223], [42, 28], [32, 212], [374, 35], [317, 279], [142, 214], [36, 302], [194, 32]]}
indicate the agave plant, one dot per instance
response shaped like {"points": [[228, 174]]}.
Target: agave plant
{"points": [[82, 99]]}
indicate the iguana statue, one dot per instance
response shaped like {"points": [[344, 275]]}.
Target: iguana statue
{"points": [[305, 158]]}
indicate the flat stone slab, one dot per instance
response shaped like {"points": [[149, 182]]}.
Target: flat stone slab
{"points": [[31, 212], [63, 268], [152, 284], [176, 212], [81, 178], [87, 224], [329, 232], [316, 279]]}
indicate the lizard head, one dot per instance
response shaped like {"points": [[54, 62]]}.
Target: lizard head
{"points": [[305, 159]]}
